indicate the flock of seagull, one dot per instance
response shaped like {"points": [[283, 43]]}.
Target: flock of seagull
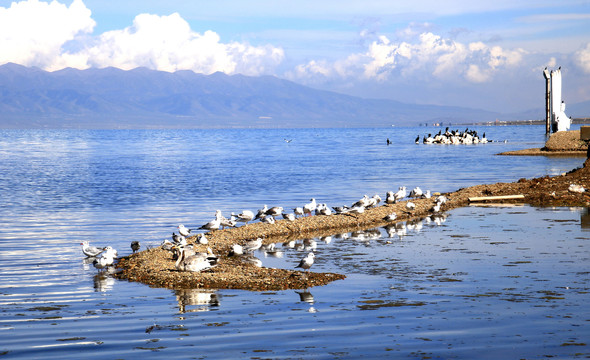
{"points": [[188, 259], [454, 137]]}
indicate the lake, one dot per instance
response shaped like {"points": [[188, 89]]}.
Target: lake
{"points": [[479, 282]]}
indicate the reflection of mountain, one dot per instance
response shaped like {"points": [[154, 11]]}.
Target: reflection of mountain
{"points": [[111, 98], [196, 297]]}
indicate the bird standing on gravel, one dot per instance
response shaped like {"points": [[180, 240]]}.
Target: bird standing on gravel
{"points": [[135, 245]]}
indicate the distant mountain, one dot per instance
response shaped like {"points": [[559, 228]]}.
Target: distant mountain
{"points": [[142, 98]]}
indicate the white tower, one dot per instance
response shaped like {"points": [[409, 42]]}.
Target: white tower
{"points": [[556, 110]]}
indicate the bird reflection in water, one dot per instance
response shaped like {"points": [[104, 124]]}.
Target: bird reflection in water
{"points": [[103, 281], [201, 298], [307, 297]]}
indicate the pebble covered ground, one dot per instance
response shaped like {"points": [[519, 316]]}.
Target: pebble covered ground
{"points": [[156, 267], [562, 143]]}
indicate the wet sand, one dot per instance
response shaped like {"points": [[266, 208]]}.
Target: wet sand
{"points": [[155, 266]]}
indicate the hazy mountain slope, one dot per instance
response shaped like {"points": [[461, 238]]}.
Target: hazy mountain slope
{"points": [[112, 97]]}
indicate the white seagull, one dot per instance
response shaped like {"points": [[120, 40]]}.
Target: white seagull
{"points": [[310, 207], [390, 198], [306, 262], [197, 262], [182, 230], [201, 239], [400, 194], [289, 216], [298, 211], [416, 192], [261, 212], [106, 259], [245, 216], [90, 251], [252, 245]]}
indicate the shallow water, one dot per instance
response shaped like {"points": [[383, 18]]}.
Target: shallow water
{"points": [[479, 282]]}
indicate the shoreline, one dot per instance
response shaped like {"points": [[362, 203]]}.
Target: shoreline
{"points": [[545, 152], [561, 143], [155, 267]]}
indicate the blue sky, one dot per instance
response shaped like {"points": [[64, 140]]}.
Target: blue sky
{"points": [[482, 54]]}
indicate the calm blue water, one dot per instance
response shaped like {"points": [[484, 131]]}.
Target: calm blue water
{"points": [[482, 282]]}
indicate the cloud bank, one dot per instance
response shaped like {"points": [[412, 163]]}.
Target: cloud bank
{"points": [[430, 56], [53, 36]]}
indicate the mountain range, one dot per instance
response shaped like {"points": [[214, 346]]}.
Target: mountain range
{"points": [[143, 98]]}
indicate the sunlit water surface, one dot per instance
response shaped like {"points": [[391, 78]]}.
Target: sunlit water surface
{"points": [[494, 282]]}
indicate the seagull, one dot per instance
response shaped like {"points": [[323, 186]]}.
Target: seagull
{"points": [[183, 230], [374, 201], [197, 262], [106, 259], [364, 202], [390, 217], [135, 246], [308, 208], [322, 209], [416, 192], [290, 216], [188, 250], [213, 224], [355, 210], [103, 261], [252, 245], [167, 244], [261, 213], [441, 199], [225, 222], [201, 239], [426, 195], [410, 205], [298, 211], [236, 250], [400, 194], [245, 216], [274, 211], [178, 239], [268, 220], [390, 198], [306, 262], [90, 251], [340, 209]]}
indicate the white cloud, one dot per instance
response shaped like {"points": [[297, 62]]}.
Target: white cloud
{"points": [[35, 33], [582, 58], [32, 33], [167, 43], [425, 57]]}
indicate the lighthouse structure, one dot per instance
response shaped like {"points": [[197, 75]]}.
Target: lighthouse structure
{"points": [[555, 116]]}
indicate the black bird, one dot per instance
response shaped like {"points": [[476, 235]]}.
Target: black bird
{"points": [[135, 246]]}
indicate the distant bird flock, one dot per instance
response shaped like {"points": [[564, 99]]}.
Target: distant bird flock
{"points": [[188, 259], [454, 137]]}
